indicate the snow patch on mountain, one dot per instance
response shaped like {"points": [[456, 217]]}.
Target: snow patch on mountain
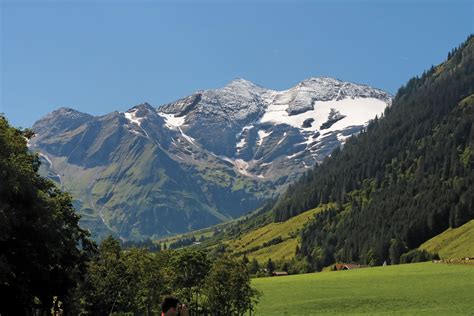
{"points": [[241, 138], [135, 132], [241, 144], [295, 155], [171, 121], [187, 137], [282, 139], [50, 163], [357, 111], [261, 136], [132, 117], [342, 138]]}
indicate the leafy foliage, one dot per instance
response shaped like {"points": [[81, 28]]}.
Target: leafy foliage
{"points": [[131, 280], [190, 269], [417, 255], [43, 251], [135, 280], [228, 289]]}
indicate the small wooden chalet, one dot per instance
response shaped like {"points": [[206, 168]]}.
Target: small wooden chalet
{"points": [[348, 266], [279, 273]]}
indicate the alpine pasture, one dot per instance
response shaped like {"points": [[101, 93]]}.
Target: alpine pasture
{"points": [[420, 288]]}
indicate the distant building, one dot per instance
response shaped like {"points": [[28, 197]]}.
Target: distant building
{"points": [[348, 266], [279, 273]]}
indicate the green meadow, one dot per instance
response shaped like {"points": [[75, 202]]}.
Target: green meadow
{"points": [[252, 242], [421, 288], [453, 243]]}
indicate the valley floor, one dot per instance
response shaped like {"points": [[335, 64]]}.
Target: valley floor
{"points": [[422, 288]]}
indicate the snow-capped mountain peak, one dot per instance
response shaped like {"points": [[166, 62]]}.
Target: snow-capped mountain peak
{"points": [[138, 113], [241, 141], [242, 86], [243, 82], [246, 122]]}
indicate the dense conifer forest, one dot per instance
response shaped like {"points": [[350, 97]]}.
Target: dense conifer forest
{"points": [[406, 178]]}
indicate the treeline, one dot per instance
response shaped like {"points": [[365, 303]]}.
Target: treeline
{"points": [[147, 244], [183, 242], [48, 264], [406, 178]]}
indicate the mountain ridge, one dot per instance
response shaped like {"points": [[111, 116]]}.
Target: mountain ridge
{"points": [[219, 152]]}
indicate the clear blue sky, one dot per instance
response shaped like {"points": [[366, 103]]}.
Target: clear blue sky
{"points": [[100, 56]]}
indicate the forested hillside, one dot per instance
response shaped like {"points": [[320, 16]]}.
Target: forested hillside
{"points": [[406, 178]]}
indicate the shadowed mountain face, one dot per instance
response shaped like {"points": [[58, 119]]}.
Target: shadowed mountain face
{"points": [[206, 158]]}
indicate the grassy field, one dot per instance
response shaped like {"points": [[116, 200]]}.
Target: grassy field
{"points": [[453, 243], [421, 288], [288, 231]]}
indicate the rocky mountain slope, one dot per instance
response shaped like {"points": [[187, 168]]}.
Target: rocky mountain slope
{"points": [[203, 159]]}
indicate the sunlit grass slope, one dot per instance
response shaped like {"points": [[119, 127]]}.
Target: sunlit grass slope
{"points": [[421, 289], [252, 242], [453, 243]]}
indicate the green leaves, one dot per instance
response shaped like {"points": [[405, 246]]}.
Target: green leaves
{"points": [[122, 281], [228, 290], [135, 280], [43, 251]]}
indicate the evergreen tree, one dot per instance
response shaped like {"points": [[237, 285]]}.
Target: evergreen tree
{"points": [[254, 266], [397, 248], [270, 266]]}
